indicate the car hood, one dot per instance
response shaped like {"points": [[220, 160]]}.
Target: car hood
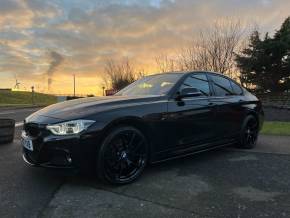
{"points": [[83, 107]]}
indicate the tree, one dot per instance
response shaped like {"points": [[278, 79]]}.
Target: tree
{"points": [[265, 63], [213, 49], [165, 64], [118, 75]]}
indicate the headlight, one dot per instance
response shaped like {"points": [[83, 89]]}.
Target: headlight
{"points": [[70, 127]]}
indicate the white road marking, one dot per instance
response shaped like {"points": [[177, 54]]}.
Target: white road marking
{"points": [[18, 124], [18, 111], [7, 112]]}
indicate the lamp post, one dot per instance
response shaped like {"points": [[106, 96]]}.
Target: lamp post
{"points": [[103, 90], [74, 85], [32, 95]]}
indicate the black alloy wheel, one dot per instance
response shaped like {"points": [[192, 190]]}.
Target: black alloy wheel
{"points": [[249, 134], [123, 155]]}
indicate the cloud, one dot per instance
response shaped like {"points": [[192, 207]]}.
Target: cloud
{"points": [[10, 6], [89, 32]]}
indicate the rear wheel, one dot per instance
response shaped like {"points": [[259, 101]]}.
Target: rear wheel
{"points": [[123, 155], [249, 133]]}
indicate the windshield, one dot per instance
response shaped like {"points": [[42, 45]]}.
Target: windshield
{"points": [[151, 85]]}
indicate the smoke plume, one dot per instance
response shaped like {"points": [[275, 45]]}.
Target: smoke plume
{"points": [[56, 60]]}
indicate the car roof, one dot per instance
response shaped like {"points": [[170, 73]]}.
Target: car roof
{"points": [[188, 72]]}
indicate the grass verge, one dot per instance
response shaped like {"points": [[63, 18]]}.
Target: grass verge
{"points": [[276, 128], [9, 98]]}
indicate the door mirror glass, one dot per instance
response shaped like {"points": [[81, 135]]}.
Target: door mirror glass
{"points": [[190, 92]]}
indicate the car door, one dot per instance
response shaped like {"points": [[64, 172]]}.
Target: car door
{"points": [[228, 106], [190, 120]]}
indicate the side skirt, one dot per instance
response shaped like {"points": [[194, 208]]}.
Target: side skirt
{"points": [[229, 143]]}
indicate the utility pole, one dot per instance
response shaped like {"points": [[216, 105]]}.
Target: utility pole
{"points": [[74, 85]]}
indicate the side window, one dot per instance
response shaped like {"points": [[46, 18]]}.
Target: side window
{"points": [[221, 86], [236, 88], [198, 81]]}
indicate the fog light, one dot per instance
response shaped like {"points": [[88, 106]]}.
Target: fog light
{"points": [[69, 160]]}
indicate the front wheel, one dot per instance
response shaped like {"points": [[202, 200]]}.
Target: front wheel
{"points": [[249, 133], [123, 155]]}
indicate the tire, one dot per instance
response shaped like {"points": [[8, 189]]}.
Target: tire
{"points": [[123, 155], [7, 129], [249, 133]]}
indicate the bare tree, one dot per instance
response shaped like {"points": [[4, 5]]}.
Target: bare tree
{"points": [[119, 74], [166, 64], [213, 49]]}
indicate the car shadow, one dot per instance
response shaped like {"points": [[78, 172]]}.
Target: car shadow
{"points": [[184, 165]]}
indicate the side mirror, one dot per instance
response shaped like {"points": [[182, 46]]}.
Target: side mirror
{"points": [[188, 92]]}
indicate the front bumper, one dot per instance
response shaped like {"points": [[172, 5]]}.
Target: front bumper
{"points": [[78, 151], [51, 162]]}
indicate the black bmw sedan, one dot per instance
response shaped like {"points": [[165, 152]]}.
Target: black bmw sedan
{"points": [[156, 118]]}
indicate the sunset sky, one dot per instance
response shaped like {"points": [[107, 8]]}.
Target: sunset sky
{"points": [[60, 38]]}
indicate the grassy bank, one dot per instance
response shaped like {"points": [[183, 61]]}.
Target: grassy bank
{"points": [[276, 128], [9, 98]]}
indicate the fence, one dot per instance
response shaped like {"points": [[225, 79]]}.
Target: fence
{"points": [[278, 100]]}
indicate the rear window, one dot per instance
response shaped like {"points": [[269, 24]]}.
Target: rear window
{"points": [[237, 90], [221, 86]]}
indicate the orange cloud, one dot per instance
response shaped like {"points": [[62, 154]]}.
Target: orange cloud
{"points": [[87, 33]]}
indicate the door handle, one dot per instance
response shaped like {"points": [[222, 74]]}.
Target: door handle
{"points": [[211, 104]]}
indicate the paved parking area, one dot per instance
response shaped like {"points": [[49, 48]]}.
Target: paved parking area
{"points": [[216, 184], [221, 183]]}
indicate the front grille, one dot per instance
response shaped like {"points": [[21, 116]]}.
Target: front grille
{"points": [[32, 129]]}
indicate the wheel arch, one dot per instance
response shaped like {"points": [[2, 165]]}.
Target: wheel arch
{"points": [[254, 114], [241, 140], [135, 122]]}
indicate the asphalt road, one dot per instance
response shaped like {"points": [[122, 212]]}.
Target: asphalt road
{"points": [[222, 183], [24, 191], [17, 114]]}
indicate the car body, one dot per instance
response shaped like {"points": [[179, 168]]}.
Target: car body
{"points": [[207, 116]]}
